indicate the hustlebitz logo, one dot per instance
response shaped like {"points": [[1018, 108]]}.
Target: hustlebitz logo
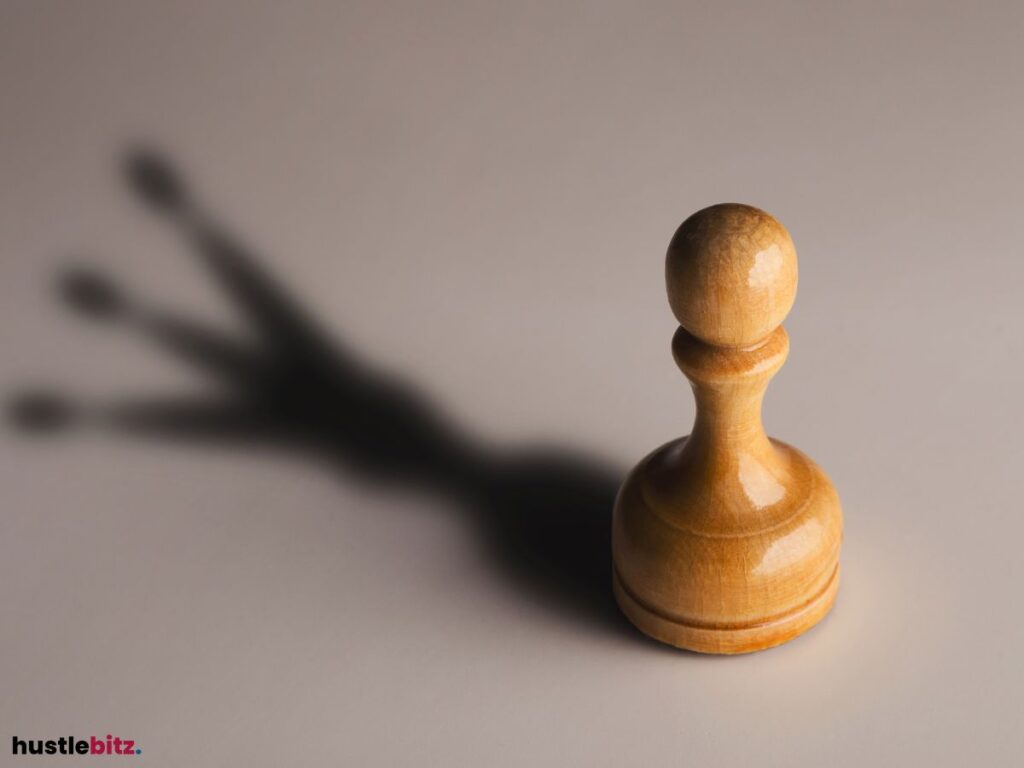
{"points": [[69, 745]]}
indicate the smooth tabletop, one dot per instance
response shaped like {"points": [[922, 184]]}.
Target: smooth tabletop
{"points": [[472, 202]]}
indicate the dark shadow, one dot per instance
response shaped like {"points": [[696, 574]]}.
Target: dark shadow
{"points": [[543, 514]]}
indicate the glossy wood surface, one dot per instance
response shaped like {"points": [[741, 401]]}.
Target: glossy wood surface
{"points": [[727, 541]]}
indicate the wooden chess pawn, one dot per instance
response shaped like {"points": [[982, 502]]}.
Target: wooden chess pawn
{"points": [[727, 541]]}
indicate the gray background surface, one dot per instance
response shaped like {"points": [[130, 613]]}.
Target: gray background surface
{"points": [[478, 197]]}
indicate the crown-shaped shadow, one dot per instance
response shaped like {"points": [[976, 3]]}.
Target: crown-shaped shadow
{"points": [[544, 514]]}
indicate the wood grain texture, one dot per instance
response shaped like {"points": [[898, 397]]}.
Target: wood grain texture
{"points": [[727, 541]]}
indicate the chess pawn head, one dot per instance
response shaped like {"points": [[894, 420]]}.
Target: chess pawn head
{"points": [[726, 541], [731, 275]]}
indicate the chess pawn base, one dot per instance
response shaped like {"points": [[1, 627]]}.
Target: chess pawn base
{"points": [[686, 579], [726, 541]]}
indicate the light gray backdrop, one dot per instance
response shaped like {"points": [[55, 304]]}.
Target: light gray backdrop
{"points": [[477, 198]]}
